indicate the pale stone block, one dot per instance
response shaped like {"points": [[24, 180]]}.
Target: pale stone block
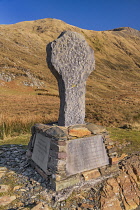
{"points": [[92, 174]]}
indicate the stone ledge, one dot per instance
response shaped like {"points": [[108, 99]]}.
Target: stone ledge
{"points": [[64, 133], [65, 183]]}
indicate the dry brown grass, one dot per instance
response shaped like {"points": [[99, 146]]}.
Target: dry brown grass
{"points": [[19, 112], [113, 89]]}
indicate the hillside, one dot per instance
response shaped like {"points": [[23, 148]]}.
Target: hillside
{"points": [[29, 91]]}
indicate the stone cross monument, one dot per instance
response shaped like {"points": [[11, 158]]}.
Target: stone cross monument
{"points": [[68, 154], [71, 60]]}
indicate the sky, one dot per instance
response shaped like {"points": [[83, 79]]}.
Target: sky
{"points": [[95, 15]]}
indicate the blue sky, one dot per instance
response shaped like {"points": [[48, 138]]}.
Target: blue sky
{"points": [[87, 14]]}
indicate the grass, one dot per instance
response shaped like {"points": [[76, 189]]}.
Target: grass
{"points": [[113, 89], [21, 139], [126, 140], [19, 112]]}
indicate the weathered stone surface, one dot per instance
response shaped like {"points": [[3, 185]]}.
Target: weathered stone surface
{"points": [[41, 151], [59, 177], [56, 164], [59, 185], [110, 196], [2, 171], [92, 174], [5, 200], [17, 187], [111, 203], [56, 132], [95, 129], [85, 154], [86, 206], [62, 155], [115, 160], [71, 60], [2, 174], [28, 154], [1, 151], [123, 191], [111, 169], [79, 132], [44, 175], [41, 206], [50, 130], [4, 188], [40, 126], [129, 194]]}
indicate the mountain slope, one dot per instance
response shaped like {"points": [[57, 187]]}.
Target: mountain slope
{"points": [[113, 89]]}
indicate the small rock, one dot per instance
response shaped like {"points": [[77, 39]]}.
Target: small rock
{"points": [[4, 188], [34, 196], [87, 206], [22, 190], [1, 151], [11, 173], [79, 131], [17, 187], [42, 206], [95, 129], [5, 200], [3, 169], [92, 174], [115, 160], [37, 188], [2, 173], [56, 132]]}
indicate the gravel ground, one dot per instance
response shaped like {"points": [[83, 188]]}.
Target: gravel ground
{"points": [[24, 188]]}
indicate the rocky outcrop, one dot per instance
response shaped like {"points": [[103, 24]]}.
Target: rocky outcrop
{"points": [[7, 77], [123, 191]]}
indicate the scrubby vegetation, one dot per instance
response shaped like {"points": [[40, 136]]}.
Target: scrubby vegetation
{"points": [[28, 90], [19, 113], [126, 140]]}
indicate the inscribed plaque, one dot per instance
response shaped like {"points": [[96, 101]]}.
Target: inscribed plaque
{"points": [[85, 154], [41, 151]]}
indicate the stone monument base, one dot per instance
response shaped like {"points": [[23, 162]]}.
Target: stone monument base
{"points": [[69, 155]]}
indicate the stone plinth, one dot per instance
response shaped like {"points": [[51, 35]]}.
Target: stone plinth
{"points": [[59, 153]]}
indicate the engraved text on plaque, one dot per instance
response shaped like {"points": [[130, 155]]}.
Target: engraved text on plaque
{"points": [[86, 154], [41, 151]]}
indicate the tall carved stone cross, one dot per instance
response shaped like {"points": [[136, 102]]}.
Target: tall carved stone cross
{"points": [[71, 60]]}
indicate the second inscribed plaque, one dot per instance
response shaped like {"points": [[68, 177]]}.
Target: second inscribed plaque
{"points": [[85, 154]]}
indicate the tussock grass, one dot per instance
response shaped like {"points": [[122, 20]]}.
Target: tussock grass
{"points": [[19, 113], [14, 126]]}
